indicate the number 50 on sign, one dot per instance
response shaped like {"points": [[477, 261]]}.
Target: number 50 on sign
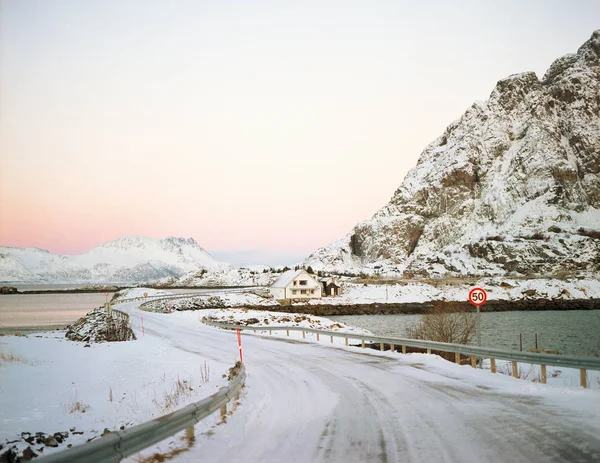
{"points": [[477, 296]]}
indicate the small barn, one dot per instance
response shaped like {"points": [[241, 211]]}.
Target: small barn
{"points": [[330, 287], [296, 284]]}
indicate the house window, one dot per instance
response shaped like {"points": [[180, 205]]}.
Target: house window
{"points": [[294, 291], [312, 291], [295, 282], [303, 282], [302, 291]]}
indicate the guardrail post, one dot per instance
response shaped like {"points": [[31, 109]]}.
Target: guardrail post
{"points": [[392, 348], [429, 350], [317, 336], [583, 378], [346, 341], [270, 331], [189, 434], [303, 334], [331, 339], [543, 379], [224, 412], [515, 369], [457, 357], [363, 343], [473, 361], [493, 365], [404, 349], [381, 346], [287, 332]]}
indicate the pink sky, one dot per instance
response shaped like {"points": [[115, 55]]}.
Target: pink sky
{"points": [[247, 126]]}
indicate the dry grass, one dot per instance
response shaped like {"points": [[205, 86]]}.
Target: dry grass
{"points": [[205, 373], [9, 357], [529, 373], [171, 399], [77, 407], [160, 457]]}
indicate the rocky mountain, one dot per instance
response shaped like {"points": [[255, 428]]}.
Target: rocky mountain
{"points": [[130, 259], [512, 187]]}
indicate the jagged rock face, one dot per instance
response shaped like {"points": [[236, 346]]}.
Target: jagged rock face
{"points": [[512, 186]]}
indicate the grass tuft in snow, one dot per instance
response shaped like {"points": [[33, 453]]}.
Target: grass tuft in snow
{"points": [[205, 373], [9, 357], [181, 391], [76, 407]]}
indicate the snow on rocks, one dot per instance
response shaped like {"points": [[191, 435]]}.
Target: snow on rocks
{"points": [[511, 188], [134, 293], [259, 318], [224, 298], [99, 326]]}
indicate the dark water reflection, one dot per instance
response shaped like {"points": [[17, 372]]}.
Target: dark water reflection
{"points": [[574, 332]]}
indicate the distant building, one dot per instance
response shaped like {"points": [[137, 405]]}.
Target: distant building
{"points": [[296, 284], [330, 287]]}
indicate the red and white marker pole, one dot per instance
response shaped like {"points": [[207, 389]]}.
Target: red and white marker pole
{"points": [[142, 325], [239, 334]]}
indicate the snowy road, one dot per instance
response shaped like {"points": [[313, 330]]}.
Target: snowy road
{"points": [[316, 403]]}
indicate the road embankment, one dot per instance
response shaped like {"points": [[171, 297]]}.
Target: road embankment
{"points": [[327, 310]]}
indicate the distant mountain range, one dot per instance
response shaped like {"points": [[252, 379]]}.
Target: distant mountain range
{"points": [[130, 259], [513, 186]]}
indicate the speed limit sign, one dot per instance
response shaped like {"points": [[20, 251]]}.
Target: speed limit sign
{"points": [[477, 296]]}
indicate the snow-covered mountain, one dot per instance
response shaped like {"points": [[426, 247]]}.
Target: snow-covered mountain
{"points": [[512, 186], [124, 260]]}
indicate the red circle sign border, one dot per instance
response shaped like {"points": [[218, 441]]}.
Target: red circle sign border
{"points": [[484, 296]]}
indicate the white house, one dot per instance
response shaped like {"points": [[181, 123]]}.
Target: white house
{"points": [[296, 284]]}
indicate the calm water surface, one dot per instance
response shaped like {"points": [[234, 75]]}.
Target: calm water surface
{"points": [[574, 332], [31, 312], [39, 312]]}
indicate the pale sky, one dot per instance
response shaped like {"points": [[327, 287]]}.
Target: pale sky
{"points": [[263, 129]]}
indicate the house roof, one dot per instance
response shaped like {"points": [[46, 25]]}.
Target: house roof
{"points": [[286, 277]]}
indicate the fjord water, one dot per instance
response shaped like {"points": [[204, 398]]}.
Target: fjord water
{"points": [[38, 312], [572, 332]]}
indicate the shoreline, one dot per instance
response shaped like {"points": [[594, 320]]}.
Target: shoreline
{"points": [[411, 308], [113, 289], [14, 330]]}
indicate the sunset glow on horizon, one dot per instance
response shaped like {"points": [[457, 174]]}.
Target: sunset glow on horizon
{"points": [[256, 128]]}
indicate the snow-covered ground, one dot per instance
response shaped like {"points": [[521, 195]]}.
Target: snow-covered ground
{"points": [[258, 318], [497, 289], [303, 401], [54, 385]]}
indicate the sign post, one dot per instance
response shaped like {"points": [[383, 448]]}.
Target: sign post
{"points": [[478, 297], [239, 336]]}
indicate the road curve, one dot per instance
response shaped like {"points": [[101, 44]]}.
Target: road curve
{"points": [[306, 402]]}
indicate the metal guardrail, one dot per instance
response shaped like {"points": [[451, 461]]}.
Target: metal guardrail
{"points": [[567, 361], [118, 445]]}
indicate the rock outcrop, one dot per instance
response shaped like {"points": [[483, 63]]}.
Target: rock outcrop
{"points": [[98, 326], [513, 186]]}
